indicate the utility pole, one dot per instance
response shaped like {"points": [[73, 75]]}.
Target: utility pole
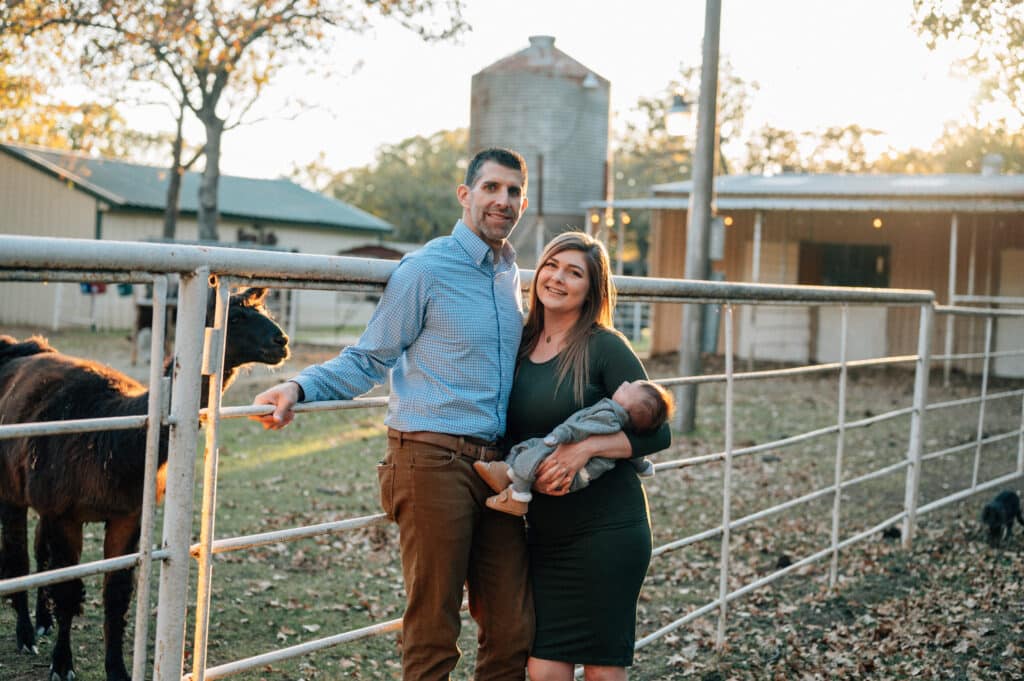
{"points": [[698, 222]]}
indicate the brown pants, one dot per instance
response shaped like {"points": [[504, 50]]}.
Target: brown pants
{"points": [[449, 538]]}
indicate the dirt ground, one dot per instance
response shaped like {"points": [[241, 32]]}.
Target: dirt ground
{"points": [[951, 607]]}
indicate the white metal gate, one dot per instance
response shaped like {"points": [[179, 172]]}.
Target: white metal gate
{"points": [[199, 354]]}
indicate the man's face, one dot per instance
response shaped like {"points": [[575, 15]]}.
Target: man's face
{"points": [[492, 206]]}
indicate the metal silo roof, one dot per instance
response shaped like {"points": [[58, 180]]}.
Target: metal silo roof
{"points": [[542, 57]]}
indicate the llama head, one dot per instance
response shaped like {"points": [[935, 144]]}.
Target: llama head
{"points": [[252, 335]]}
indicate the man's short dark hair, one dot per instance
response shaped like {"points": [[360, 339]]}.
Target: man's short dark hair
{"points": [[503, 157]]}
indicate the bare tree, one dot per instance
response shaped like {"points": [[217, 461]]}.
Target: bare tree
{"points": [[220, 56]]}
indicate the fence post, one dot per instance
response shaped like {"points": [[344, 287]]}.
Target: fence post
{"points": [[213, 366], [723, 575], [981, 405], [924, 347], [185, 398], [840, 443], [947, 365], [755, 277], [1020, 440], [153, 427]]}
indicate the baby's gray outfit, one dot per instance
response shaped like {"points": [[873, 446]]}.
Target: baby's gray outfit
{"points": [[602, 418]]}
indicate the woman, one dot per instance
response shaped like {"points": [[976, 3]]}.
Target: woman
{"points": [[589, 550]]}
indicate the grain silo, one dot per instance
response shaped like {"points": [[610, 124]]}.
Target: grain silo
{"points": [[555, 111]]}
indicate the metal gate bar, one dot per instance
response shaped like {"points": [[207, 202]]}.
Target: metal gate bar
{"points": [[57, 260]]}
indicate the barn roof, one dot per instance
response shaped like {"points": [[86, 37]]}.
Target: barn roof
{"points": [[835, 192], [132, 186]]}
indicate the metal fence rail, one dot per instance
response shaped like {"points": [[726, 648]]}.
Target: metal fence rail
{"points": [[199, 353]]}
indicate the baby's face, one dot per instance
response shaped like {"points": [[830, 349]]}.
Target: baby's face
{"points": [[631, 397]]}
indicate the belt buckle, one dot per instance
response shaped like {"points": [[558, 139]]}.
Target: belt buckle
{"points": [[487, 453]]}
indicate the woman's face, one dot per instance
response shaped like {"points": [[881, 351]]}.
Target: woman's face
{"points": [[563, 282]]}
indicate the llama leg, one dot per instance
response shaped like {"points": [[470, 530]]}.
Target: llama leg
{"points": [[14, 563], [44, 618], [63, 538], [122, 537]]}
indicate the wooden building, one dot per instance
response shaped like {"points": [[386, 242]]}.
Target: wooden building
{"points": [[961, 236], [46, 192]]}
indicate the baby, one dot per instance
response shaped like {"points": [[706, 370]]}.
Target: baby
{"points": [[641, 406]]}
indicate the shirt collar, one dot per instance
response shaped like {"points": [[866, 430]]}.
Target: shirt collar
{"points": [[478, 249]]}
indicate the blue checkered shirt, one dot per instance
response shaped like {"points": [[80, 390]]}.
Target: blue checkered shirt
{"points": [[449, 324]]}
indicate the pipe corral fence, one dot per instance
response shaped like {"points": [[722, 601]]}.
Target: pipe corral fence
{"points": [[198, 356]]}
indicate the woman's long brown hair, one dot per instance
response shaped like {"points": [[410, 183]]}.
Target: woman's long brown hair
{"points": [[595, 314]]}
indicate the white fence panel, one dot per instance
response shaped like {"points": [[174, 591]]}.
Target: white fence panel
{"points": [[26, 258]]}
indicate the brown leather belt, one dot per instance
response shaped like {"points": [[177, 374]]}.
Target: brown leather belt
{"points": [[473, 447]]}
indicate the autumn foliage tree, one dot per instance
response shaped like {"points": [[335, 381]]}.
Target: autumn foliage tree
{"points": [[30, 113], [220, 56], [410, 184]]}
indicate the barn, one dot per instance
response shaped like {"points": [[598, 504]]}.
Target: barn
{"points": [[47, 192], [959, 235]]}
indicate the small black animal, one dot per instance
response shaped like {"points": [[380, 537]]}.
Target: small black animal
{"points": [[999, 513]]}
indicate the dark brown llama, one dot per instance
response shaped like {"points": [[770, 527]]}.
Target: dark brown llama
{"points": [[73, 479]]}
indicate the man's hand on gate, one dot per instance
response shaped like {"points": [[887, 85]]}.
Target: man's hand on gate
{"points": [[282, 397]]}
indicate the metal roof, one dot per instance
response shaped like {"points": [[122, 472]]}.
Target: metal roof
{"points": [[895, 193], [543, 58], [824, 204], [819, 185], [132, 186]]}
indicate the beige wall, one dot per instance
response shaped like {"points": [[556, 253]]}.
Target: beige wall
{"points": [[34, 203], [919, 259], [1009, 331]]}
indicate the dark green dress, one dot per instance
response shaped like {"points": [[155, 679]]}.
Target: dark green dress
{"points": [[589, 550]]}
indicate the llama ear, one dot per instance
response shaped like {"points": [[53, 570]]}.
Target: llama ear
{"points": [[254, 295]]}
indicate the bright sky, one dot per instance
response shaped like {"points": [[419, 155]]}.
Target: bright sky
{"points": [[818, 64]]}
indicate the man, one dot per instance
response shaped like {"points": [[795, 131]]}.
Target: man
{"points": [[449, 324]]}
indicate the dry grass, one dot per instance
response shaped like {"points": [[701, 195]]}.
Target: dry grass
{"points": [[949, 608]]}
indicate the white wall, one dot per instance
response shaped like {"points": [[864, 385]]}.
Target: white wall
{"points": [[1010, 332], [865, 337], [778, 333]]}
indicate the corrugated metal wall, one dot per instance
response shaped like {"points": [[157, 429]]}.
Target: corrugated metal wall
{"points": [[919, 259]]}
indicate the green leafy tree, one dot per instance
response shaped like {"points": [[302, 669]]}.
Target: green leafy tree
{"points": [[995, 31], [837, 149], [219, 57], [960, 150], [646, 155], [840, 149], [771, 150], [410, 184]]}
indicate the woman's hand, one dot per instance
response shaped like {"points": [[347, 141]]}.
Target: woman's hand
{"points": [[555, 473]]}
